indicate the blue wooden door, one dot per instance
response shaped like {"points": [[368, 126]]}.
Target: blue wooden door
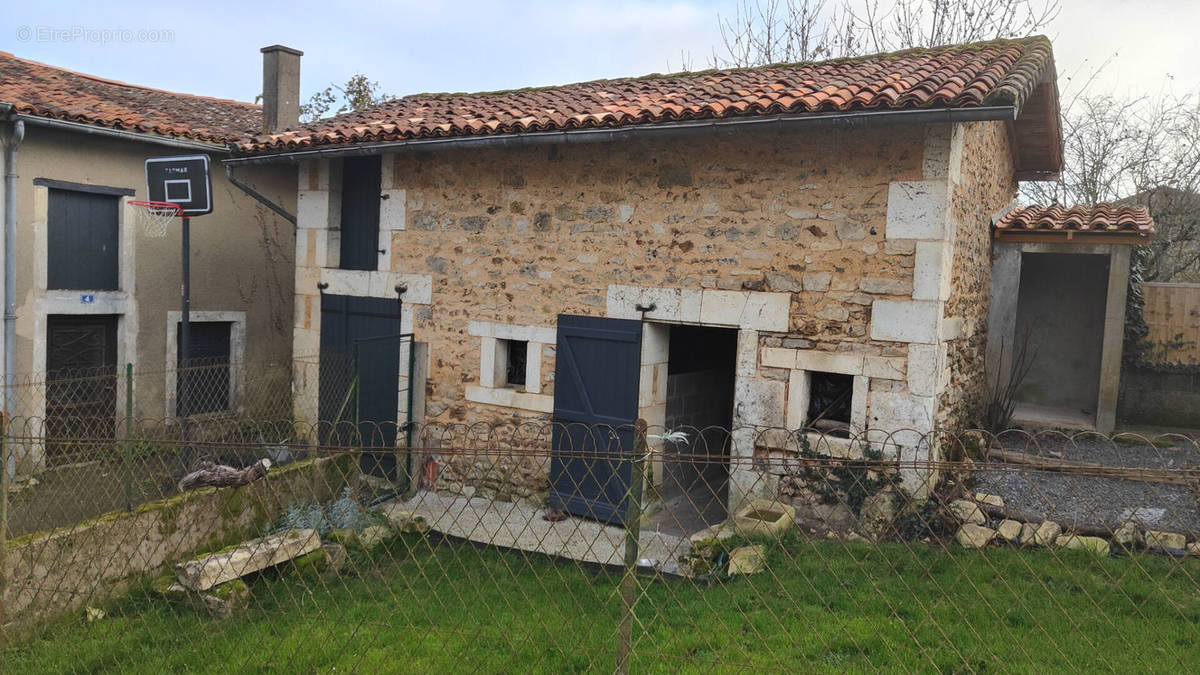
{"points": [[595, 406]]}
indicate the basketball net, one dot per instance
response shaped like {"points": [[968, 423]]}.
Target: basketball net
{"points": [[156, 216]]}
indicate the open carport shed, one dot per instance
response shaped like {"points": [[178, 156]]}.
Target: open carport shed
{"points": [[1059, 283]]}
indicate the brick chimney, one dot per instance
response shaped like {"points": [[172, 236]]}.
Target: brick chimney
{"points": [[281, 87]]}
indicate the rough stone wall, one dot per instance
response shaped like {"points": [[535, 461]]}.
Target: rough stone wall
{"points": [[984, 187], [522, 236], [827, 249]]}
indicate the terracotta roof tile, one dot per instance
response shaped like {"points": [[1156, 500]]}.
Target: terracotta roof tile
{"points": [[45, 91], [1003, 72], [1099, 219]]}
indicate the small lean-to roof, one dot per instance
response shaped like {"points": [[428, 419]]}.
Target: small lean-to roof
{"points": [[1102, 223], [1004, 73], [39, 90]]}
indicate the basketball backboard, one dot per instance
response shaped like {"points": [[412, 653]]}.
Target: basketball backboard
{"points": [[182, 180]]}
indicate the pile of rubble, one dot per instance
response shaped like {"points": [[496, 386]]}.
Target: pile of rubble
{"points": [[983, 521]]}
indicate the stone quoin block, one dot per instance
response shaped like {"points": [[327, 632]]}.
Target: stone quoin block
{"points": [[905, 320], [917, 209]]}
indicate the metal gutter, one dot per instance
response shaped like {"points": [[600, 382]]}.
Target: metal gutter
{"points": [[663, 130], [123, 134], [258, 196]]}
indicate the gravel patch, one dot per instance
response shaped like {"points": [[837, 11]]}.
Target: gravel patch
{"points": [[1096, 500], [1093, 500]]}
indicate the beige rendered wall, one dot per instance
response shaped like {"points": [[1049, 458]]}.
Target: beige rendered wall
{"points": [[829, 250], [241, 262]]}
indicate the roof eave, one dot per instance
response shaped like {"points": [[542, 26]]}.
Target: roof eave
{"points": [[854, 119], [1074, 236], [123, 134], [1037, 130]]}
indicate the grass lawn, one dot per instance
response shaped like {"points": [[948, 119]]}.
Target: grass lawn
{"points": [[825, 606]]}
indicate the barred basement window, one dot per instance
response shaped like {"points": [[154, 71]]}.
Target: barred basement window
{"points": [[207, 372]]}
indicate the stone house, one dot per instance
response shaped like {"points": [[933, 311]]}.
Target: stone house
{"points": [[786, 246], [92, 292]]}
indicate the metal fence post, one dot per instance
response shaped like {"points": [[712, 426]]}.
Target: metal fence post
{"points": [[5, 444], [633, 527], [126, 445]]}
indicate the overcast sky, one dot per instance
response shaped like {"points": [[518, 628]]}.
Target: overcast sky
{"points": [[212, 48]]}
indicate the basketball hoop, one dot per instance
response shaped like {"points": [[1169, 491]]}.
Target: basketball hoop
{"points": [[156, 216]]}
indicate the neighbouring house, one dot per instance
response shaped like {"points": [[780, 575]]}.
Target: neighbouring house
{"points": [[93, 292], [790, 246], [1056, 324]]}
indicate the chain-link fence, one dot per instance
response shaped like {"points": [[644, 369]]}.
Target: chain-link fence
{"points": [[565, 548]]}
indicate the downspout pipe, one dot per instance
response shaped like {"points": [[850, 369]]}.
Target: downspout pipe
{"points": [[258, 196], [16, 135]]}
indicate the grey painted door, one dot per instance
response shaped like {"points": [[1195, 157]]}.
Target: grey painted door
{"points": [[595, 406], [81, 230], [81, 389], [360, 376]]}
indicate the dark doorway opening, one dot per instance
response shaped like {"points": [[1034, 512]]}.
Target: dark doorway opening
{"points": [[700, 375], [1061, 312], [81, 383]]}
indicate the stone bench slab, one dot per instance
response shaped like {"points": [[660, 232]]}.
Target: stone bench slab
{"points": [[254, 555]]}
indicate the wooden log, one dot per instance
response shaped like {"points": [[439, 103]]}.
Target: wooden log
{"points": [[219, 475], [1149, 475]]}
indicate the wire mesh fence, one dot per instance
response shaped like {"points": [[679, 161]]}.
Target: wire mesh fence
{"points": [[544, 547]]}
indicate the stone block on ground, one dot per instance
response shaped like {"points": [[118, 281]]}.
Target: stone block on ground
{"points": [[337, 556], [370, 538], [254, 555], [1194, 548], [719, 532], [221, 601], [1160, 539], [877, 515], [1127, 535], [1047, 533], [226, 599], [406, 521], [1027, 532], [747, 560], [1096, 545], [971, 535], [1010, 530], [967, 512], [765, 516], [990, 500]]}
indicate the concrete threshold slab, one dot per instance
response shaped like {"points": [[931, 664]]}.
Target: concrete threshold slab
{"points": [[521, 527], [1047, 417]]}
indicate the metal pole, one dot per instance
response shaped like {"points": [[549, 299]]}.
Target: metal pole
{"points": [[633, 529], [5, 443], [128, 471], [185, 384]]}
